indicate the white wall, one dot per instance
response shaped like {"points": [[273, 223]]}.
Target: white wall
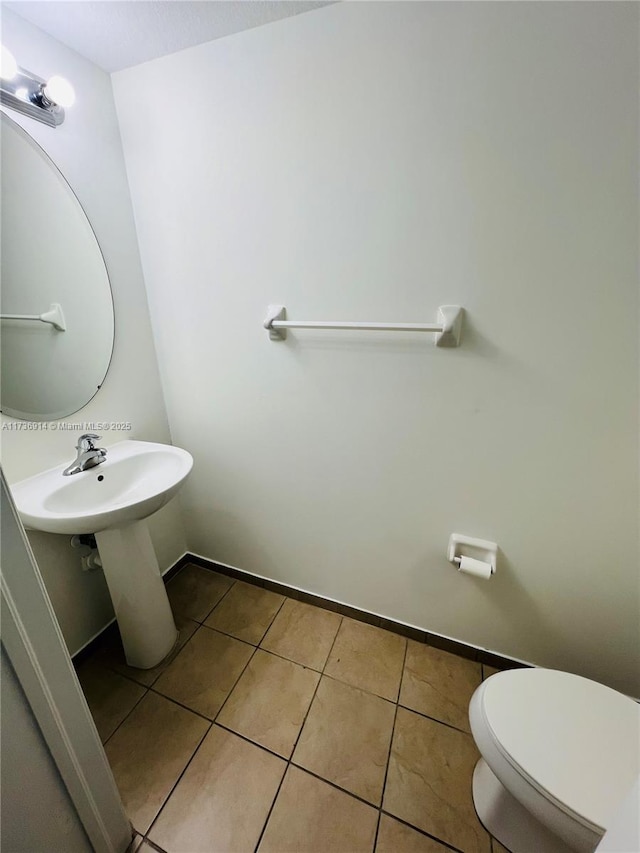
{"points": [[37, 813], [370, 161], [88, 151]]}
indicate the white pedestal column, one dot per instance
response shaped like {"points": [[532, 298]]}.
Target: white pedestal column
{"points": [[138, 594]]}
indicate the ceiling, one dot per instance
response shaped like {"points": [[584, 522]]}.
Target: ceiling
{"points": [[116, 34]]}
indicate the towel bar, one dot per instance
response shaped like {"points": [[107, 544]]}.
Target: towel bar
{"points": [[448, 328]]}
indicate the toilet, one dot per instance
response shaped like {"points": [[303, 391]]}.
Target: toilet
{"points": [[559, 754]]}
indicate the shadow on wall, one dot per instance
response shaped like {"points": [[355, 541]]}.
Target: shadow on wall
{"points": [[517, 607], [80, 599], [235, 544], [514, 610]]}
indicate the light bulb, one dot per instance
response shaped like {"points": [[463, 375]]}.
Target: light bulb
{"points": [[8, 65], [60, 91]]}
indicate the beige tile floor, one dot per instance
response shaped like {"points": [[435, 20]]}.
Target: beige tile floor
{"points": [[279, 727]]}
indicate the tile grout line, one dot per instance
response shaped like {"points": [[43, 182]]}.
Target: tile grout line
{"points": [[255, 649], [218, 602], [275, 616], [422, 831], [393, 731], [249, 741], [226, 699], [272, 806], [289, 660], [342, 618], [272, 620], [321, 673], [177, 782], [152, 844], [126, 717], [181, 705], [293, 749], [336, 786], [434, 720], [381, 809], [361, 689]]}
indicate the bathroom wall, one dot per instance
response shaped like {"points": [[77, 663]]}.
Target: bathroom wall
{"points": [[30, 776], [371, 161], [88, 151]]}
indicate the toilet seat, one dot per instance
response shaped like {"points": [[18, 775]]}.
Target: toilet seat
{"points": [[562, 745]]}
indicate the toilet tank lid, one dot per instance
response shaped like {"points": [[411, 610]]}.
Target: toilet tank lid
{"points": [[575, 740]]}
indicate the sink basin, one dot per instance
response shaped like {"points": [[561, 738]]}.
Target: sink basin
{"points": [[137, 478], [112, 500]]}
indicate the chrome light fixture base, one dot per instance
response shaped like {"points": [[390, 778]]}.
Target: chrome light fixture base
{"points": [[25, 94]]}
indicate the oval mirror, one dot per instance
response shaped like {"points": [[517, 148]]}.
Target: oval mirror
{"points": [[52, 266]]}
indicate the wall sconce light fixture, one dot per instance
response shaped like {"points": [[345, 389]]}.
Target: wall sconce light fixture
{"points": [[30, 95]]}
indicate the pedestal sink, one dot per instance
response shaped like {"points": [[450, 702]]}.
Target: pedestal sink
{"points": [[111, 501]]}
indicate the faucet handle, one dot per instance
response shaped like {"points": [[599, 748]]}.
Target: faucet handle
{"points": [[85, 442]]}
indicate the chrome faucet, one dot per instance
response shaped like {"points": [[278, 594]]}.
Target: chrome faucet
{"points": [[88, 454]]}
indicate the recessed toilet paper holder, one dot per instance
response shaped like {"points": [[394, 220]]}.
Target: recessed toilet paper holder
{"points": [[468, 546]]}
